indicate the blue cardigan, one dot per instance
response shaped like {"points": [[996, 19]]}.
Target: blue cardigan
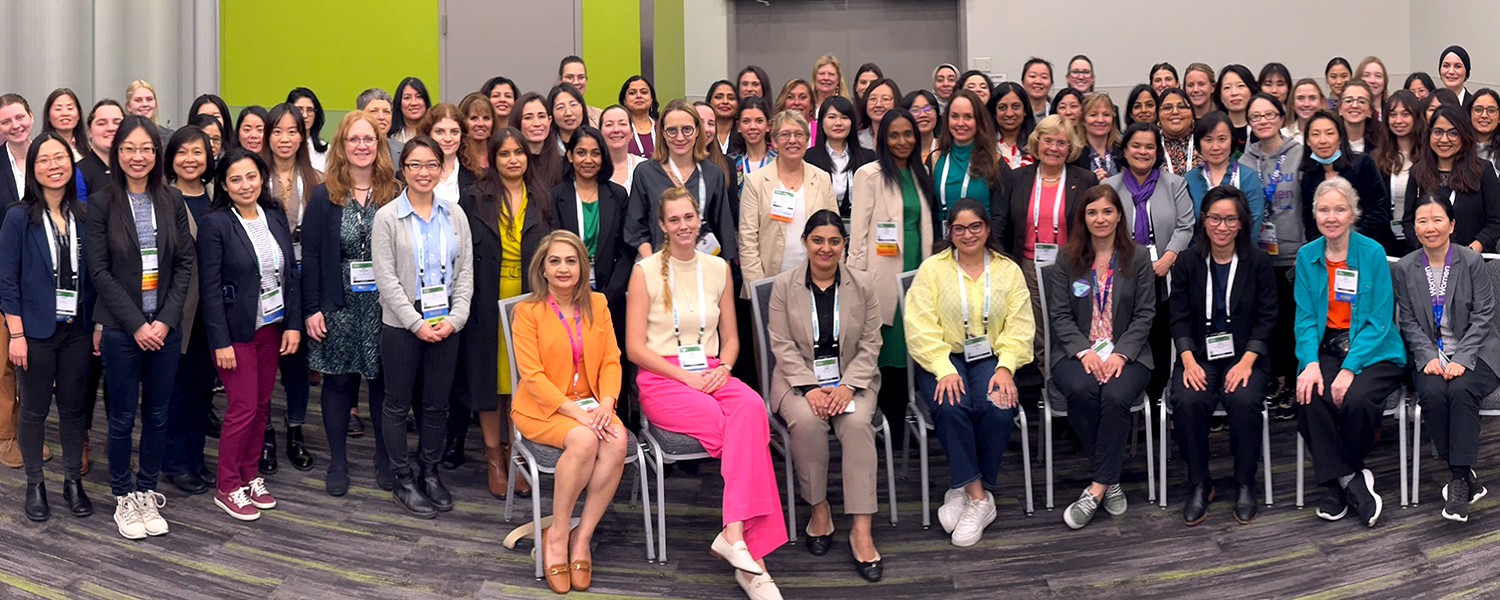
{"points": [[1249, 184], [26, 283], [1373, 334]]}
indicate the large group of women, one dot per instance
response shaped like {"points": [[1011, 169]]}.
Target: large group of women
{"points": [[1204, 221]]}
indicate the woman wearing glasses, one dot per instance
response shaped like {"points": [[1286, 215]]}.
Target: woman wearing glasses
{"points": [[777, 202], [1484, 114], [1174, 115], [1357, 109], [678, 161], [1451, 168]]}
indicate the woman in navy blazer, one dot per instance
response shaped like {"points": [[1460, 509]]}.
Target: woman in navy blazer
{"points": [[49, 340], [252, 309]]}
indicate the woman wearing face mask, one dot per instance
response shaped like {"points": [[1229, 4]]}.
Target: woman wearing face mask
{"points": [[944, 81], [1484, 114], [965, 164], [1276, 80], [1013, 123], [567, 112], [754, 137], [1233, 96], [1328, 156], [412, 103], [967, 348], [311, 111], [448, 127], [1395, 157], [614, 124], [1419, 84], [1174, 115], [777, 202], [923, 105], [1142, 105], [1450, 167], [1357, 109], [1452, 346], [250, 129], [879, 97], [1101, 137], [1453, 69], [479, 114], [835, 152], [1198, 82], [1371, 71], [726, 104], [1069, 103], [752, 81], [979, 83], [1216, 143], [1163, 76], [678, 162], [891, 230], [102, 122], [531, 118], [1336, 73], [1307, 98], [828, 80], [639, 97], [1350, 357]]}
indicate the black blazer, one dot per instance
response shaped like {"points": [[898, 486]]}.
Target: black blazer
{"points": [[322, 254], [229, 277], [95, 171], [479, 341], [465, 179], [116, 270], [1252, 304], [1011, 211], [1134, 301], [26, 283], [8, 193], [1476, 215], [613, 256], [1374, 205]]}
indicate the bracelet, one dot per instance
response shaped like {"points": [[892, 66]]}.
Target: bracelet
{"points": [[17, 336]]}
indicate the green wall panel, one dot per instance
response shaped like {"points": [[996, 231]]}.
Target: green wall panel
{"points": [[611, 47]]}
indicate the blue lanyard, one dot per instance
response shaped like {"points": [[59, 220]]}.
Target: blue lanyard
{"points": [[1102, 292], [1270, 188], [1438, 290]]}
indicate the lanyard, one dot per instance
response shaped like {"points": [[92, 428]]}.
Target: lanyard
{"points": [[963, 188], [1233, 171], [745, 161], [963, 296], [1270, 188], [419, 248], [1036, 203], [581, 225], [1438, 289], [1187, 158], [575, 344], [54, 237], [672, 284], [1208, 302], [1102, 292], [1103, 162], [813, 299], [640, 139], [702, 195], [276, 256], [154, 229]]}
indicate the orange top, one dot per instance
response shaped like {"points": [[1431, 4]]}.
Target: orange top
{"points": [[1338, 310], [544, 357]]}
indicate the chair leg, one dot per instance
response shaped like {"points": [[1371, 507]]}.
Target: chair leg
{"points": [[1265, 448], [510, 480], [1401, 432], [536, 534], [1161, 497], [1301, 447], [661, 509], [1416, 452], [906, 449], [533, 478], [1026, 461], [645, 498], [1047, 436], [926, 482], [791, 493], [890, 472], [1150, 460]]}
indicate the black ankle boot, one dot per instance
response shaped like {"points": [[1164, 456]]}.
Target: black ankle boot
{"points": [[432, 487], [411, 499], [215, 424], [78, 502], [296, 450], [36, 502], [267, 463], [453, 453]]}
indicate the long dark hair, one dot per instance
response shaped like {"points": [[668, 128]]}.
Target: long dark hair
{"points": [[989, 85], [302, 160], [888, 166], [1494, 141], [655, 102], [80, 129], [1139, 127], [398, 117], [493, 201], [1467, 173], [864, 100], [1388, 154], [256, 111], [1080, 249], [226, 129], [222, 199], [497, 81], [1135, 94], [558, 90], [984, 159], [1422, 77], [1245, 76], [1314, 169], [34, 198], [760, 75], [545, 167], [1276, 69], [970, 205], [817, 153], [1242, 245], [121, 232], [183, 137], [314, 133], [606, 166], [1007, 88]]}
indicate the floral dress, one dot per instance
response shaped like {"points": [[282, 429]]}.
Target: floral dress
{"points": [[353, 341]]}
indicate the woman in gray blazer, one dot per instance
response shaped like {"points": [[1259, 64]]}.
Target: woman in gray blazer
{"points": [[1100, 364], [1165, 232], [1446, 314]]}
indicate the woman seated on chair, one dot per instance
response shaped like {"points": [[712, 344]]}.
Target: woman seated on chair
{"points": [[569, 368], [685, 385], [1348, 353], [1101, 296], [1455, 352], [967, 336], [1223, 341], [836, 336]]}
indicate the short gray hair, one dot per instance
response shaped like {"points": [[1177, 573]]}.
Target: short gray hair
{"points": [[371, 94], [1342, 187]]}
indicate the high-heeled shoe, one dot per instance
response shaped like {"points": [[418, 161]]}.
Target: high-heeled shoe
{"points": [[736, 554]]}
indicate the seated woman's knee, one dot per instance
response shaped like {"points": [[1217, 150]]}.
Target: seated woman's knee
{"points": [[581, 439]]}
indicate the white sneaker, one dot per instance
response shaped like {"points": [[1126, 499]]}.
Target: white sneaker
{"points": [[147, 503], [953, 507], [758, 587], [128, 518], [977, 515]]}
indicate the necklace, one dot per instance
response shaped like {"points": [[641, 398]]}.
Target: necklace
{"points": [[1050, 179]]}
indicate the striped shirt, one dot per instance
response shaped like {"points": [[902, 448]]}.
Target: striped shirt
{"points": [[145, 231]]}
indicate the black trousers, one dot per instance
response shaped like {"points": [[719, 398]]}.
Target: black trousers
{"points": [[295, 383], [56, 364], [402, 356], [187, 410], [893, 396], [1339, 437], [340, 393], [1451, 410], [1191, 410], [1100, 414], [1284, 364], [1160, 341]]}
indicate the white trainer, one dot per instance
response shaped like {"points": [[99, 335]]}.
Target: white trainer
{"points": [[128, 518], [953, 507], [977, 515], [147, 503]]}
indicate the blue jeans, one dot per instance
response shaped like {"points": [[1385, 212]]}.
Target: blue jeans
{"points": [[974, 432], [132, 374], [187, 411]]}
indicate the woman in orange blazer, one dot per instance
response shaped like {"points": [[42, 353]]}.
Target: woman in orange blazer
{"points": [[569, 367]]}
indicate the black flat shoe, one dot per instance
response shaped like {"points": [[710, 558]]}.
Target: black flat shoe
{"points": [[267, 463], [408, 497], [871, 571], [77, 501], [453, 453], [432, 487], [206, 474], [336, 483], [1245, 505], [36, 502], [819, 545], [385, 480], [215, 424], [296, 449], [1196, 508], [189, 482], [356, 428]]}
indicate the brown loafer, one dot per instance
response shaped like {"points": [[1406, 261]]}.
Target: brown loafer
{"points": [[557, 578], [581, 575]]}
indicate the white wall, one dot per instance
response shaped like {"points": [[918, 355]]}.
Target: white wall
{"points": [[705, 35], [1468, 23]]}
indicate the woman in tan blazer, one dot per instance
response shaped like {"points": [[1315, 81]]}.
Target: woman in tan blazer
{"points": [[822, 310], [779, 200], [892, 230]]}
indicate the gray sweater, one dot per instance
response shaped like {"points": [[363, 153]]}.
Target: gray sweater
{"points": [[396, 273]]}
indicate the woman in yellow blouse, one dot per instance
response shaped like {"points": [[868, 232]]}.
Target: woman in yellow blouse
{"points": [[569, 367], [968, 328]]}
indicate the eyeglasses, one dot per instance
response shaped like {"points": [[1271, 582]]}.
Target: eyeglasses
{"points": [[368, 140], [975, 228], [922, 110], [1080, 72], [417, 167], [575, 79], [1356, 101], [787, 136], [883, 99], [1438, 133], [683, 131], [48, 161], [134, 150], [1486, 110], [1216, 220], [1053, 143], [1269, 116], [1175, 107]]}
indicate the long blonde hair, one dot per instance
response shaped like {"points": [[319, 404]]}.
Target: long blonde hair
{"points": [[536, 273], [383, 187], [838, 72], [676, 193]]}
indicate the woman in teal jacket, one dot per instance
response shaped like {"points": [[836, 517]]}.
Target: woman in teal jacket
{"points": [[1349, 351]]}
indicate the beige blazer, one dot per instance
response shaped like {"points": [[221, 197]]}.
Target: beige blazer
{"points": [[872, 200], [762, 238], [790, 333]]}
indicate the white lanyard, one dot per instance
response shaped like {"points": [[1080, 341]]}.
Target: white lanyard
{"points": [[72, 232], [963, 189], [813, 299], [1036, 203], [963, 296], [702, 195], [640, 139], [1208, 303], [672, 285], [1187, 157], [631, 161], [276, 255], [419, 247], [1233, 171]]}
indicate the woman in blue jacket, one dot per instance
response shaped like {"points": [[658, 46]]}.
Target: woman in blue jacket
{"points": [[47, 298], [1349, 351]]}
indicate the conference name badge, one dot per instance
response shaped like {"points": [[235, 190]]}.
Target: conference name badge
{"points": [[362, 276], [827, 371], [783, 204], [977, 348], [887, 238], [434, 303], [1220, 346], [587, 404], [1104, 348], [709, 244], [67, 304], [272, 305], [1268, 238], [1046, 254], [1345, 284], [692, 357]]}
